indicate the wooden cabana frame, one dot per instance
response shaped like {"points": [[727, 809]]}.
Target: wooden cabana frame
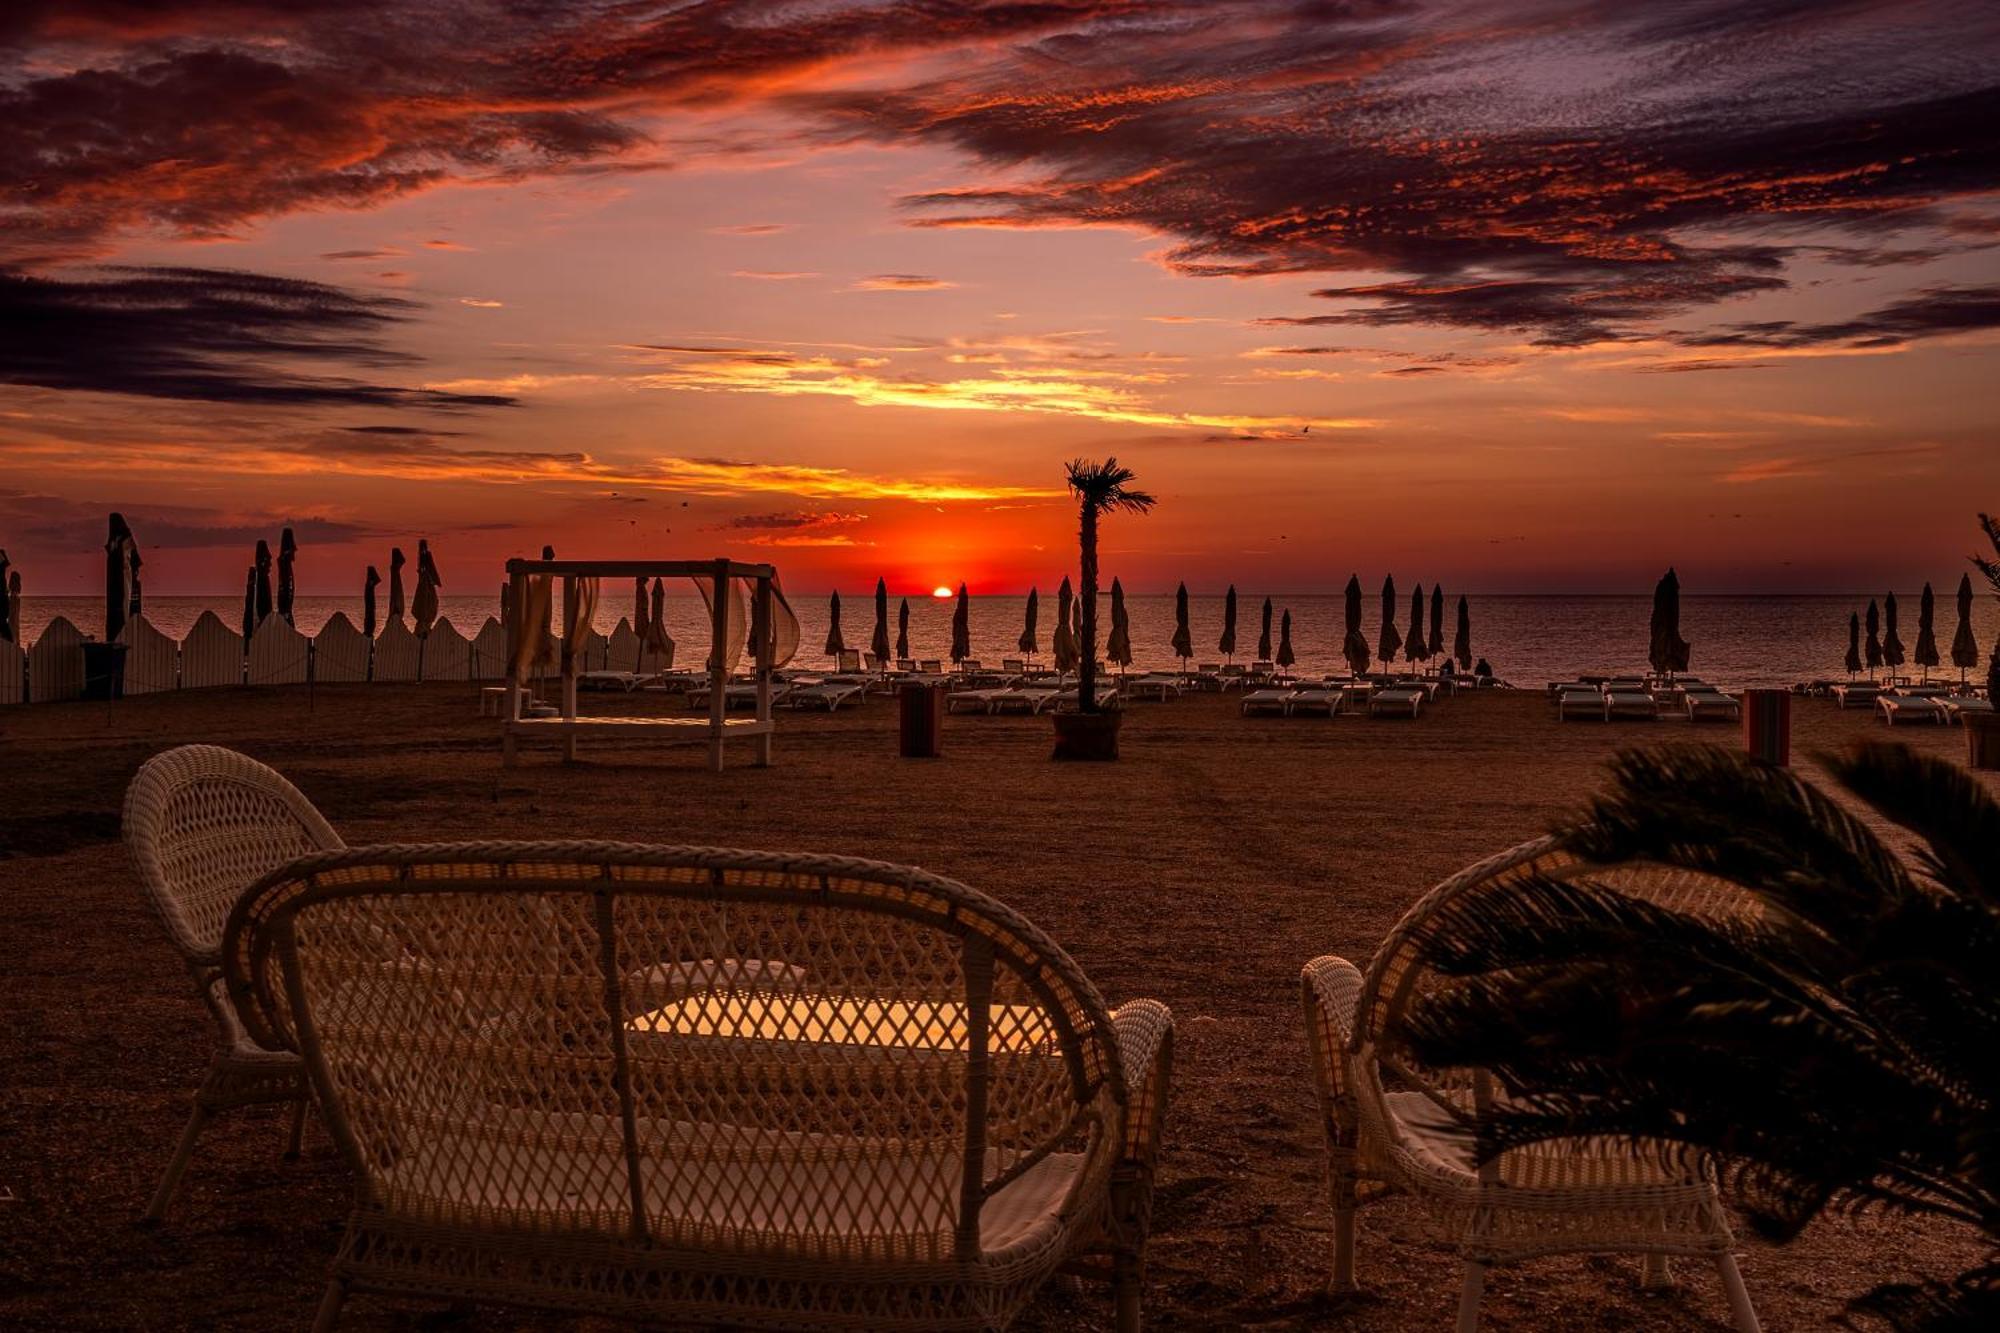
{"points": [[716, 727]]}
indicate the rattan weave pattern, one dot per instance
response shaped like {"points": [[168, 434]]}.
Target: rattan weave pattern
{"points": [[201, 825], [1392, 1121], [707, 1085]]}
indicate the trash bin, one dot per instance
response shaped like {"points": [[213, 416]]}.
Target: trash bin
{"points": [[1767, 726], [922, 728], [104, 670]]}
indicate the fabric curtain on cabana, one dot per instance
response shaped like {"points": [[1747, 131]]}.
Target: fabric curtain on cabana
{"points": [[736, 621], [579, 605], [531, 638], [785, 633]]}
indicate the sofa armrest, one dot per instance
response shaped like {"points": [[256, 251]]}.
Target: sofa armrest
{"points": [[1145, 1030]]}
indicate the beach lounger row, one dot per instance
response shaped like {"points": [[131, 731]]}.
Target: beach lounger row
{"points": [[1335, 700]]}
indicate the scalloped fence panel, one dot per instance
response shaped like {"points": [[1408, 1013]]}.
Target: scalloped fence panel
{"points": [[13, 673], [55, 663], [152, 660], [278, 653], [489, 651], [211, 654], [340, 651], [398, 655], [447, 654]]}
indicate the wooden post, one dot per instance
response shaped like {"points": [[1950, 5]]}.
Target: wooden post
{"points": [[518, 584], [569, 669], [761, 618], [718, 665]]}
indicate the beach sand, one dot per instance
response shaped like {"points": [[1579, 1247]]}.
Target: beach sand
{"points": [[1203, 869]]}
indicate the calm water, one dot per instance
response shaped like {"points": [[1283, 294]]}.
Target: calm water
{"points": [[1738, 640]]}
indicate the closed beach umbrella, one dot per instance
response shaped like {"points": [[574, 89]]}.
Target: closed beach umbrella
{"points": [[1461, 642], [1285, 654], [117, 577], [903, 629], [1874, 645], [878, 644], [249, 603], [641, 622], [424, 607], [1437, 622], [1353, 643], [1892, 642], [1183, 637], [1667, 650], [1118, 648], [835, 645], [1853, 643], [263, 570], [961, 626], [13, 600], [368, 602], [1927, 653], [1026, 643], [1390, 640], [1226, 645], [6, 611], [1064, 643], [396, 563], [1416, 648], [288, 554], [1964, 648], [1264, 635]]}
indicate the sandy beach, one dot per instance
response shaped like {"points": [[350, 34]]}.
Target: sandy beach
{"points": [[1203, 869]]}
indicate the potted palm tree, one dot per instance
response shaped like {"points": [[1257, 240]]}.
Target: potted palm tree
{"points": [[1833, 1050], [1091, 732]]}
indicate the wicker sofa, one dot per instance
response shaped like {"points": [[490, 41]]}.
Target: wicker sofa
{"points": [[688, 1085], [1392, 1121]]}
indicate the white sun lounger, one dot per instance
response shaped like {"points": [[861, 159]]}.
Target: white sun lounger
{"points": [[1158, 688], [1314, 699], [1956, 706], [1906, 708], [615, 680], [1630, 705], [972, 701], [828, 694], [1396, 701], [740, 695], [1857, 694], [1579, 701], [1706, 705], [1266, 701]]}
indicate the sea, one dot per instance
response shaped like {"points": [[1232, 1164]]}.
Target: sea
{"points": [[1737, 640]]}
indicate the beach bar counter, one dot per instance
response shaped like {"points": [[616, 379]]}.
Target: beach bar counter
{"points": [[531, 587]]}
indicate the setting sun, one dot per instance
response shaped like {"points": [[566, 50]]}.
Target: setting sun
{"points": [[941, 591]]}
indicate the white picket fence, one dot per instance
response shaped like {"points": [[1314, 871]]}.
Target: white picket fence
{"points": [[213, 655]]}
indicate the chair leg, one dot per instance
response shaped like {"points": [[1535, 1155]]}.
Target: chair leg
{"points": [[1468, 1297], [1125, 1287], [1744, 1313], [329, 1307], [296, 1143], [1658, 1274], [1343, 1251], [170, 1182]]}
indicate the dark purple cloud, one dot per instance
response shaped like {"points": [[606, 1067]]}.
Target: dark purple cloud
{"points": [[1932, 312], [210, 335]]}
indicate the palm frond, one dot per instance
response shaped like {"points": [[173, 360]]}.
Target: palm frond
{"points": [[1106, 486], [1989, 566], [1940, 802]]}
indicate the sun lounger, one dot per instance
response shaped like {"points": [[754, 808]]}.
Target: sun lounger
{"points": [[741, 694], [1906, 708], [1709, 705], [828, 694], [625, 681], [1066, 700], [1857, 693], [1580, 701], [1706, 705], [1265, 701], [971, 701], [1024, 699], [1396, 701], [1155, 687], [1629, 706], [1315, 699], [1956, 706]]}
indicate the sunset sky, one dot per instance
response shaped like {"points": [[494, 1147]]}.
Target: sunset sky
{"points": [[1540, 295]]}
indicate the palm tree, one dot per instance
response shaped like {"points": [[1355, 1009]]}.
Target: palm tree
{"points": [[1991, 569], [1101, 488], [1833, 1051]]}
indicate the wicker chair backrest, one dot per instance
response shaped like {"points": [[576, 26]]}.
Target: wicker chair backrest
{"points": [[682, 1046]]}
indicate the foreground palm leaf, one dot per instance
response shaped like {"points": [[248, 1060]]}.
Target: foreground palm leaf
{"points": [[1832, 1047]]}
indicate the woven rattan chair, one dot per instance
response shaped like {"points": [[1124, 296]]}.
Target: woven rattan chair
{"points": [[693, 1086], [1391, 1121], [203, 824]]}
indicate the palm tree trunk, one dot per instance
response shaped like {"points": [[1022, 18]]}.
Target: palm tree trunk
{"points": [[1086, 673]]}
